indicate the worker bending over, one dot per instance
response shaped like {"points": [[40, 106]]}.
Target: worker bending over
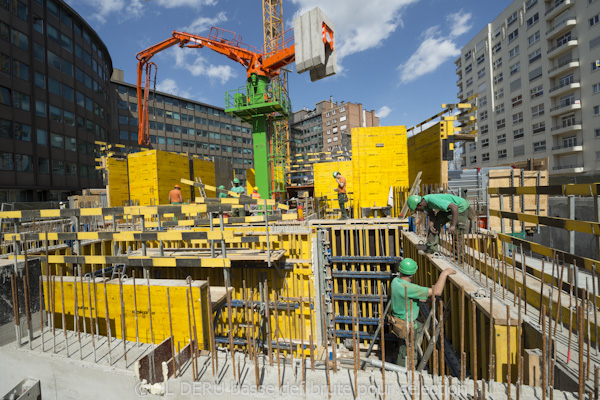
{"points": [[450, 208], [239, 189], [405, 292], [222, 195], [341, 191], [175, 196]]}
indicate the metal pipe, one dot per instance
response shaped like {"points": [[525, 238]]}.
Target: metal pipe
{"points": [[76, 316], [191, 336], [123, 324], [41, 314], [326, 355], [64, 321], [230, 332], [382, 338], [150, 312], [275, 310], [544, 360], [211, 328], [171, 334], [508, 351], [268, 326], [135, 312], [106, 318]]}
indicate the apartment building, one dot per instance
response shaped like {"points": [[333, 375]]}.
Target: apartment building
{"points": [[534, 70], [328, 126]]}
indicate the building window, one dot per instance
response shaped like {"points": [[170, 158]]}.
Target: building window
{"points": [[539, 127], [513, 35], [596, 87], [595, 19], [513, 52], [482, 101], [472, 146], [485, 143], [499, 109], [517, 101], [597, 132], [21, 100], [502, 153], [498, 94], [480, 59], [501, 138], [498, 63], [537, 91], [516, 67], [566, 80], [484, 129], [511, 19], [469, 81], [538, 110], [518, 133], [497, 47], [529, 4], [498, 78], [564, 39], [473, 159], [468, 68], [532, 20], [481, 73], [567, 100], [501, 123], [533, 38], [569, 141], [596, 110], [539, 146], [518, 118], [536, 55], [483, 115], [568, 120], [6, 161], [485, 157]]}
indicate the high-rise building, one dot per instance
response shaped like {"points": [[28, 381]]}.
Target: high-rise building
{"points": [[328, 126], [57, 99], [534, 71]]}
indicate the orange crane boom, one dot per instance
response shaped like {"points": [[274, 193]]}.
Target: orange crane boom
{"points": [[254, 61]]}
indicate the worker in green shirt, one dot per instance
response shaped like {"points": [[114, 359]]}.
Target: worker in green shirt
{"points": [[404, 292], [450, 208], [222, 195], [238, 188]]}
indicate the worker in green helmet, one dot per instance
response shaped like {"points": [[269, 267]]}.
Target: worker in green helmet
{"points": [[453, 209], [238, 188], [403, 292], [222, 195], [342, 193]]}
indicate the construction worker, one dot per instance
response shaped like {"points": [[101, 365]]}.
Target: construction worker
{"points": [[450, 208], [341, 191], [222, 195], [175, 196], [404, 292], [238, 188]]}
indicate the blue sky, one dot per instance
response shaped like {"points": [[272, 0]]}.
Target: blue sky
{"points": [[395, 56]]}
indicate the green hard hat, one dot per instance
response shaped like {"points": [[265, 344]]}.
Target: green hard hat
{"points": [[413, 201], [236, 180], [335, 173], [221, 187], [408, 266]]}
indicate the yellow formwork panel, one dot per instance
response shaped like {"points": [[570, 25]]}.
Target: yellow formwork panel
{"points": [[117, 182], [501, 355], [205, 170], [325, 182], [153, 173], [425, 154], [379, 160], [92, 297]]}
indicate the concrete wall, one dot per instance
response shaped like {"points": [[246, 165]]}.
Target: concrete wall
{"points": [[559, 238]]}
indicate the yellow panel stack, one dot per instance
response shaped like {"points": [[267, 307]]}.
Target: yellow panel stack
{"points": [[205, 170], [117, 182], [325, 183], [153, 173], [425, 154], [379, 160]]}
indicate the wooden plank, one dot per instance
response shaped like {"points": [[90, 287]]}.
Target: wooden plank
{"points": [[149, 367]]}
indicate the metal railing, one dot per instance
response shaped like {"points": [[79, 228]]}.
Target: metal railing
{"points": [[560, 24], [559, 167], [563, 64], [571, 39], [563, 85], [566, 105], [555, 128], [568, 146], [556, 5]]}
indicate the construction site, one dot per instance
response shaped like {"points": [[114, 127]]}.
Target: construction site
{"points": [[283, 289]]}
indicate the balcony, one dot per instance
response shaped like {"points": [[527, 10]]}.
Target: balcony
{"points": [[559, 6], [562, 129], [562, 89], [563, 48], [561, 27], [568, 169], [564, 108], [564, 67], [459, 81], [568, 149]]}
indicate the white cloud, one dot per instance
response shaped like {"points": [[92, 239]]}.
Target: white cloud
{"points": [[459, 23], [197, 65], [185, 3], [202, 24], [383, 112], [359, 25], [435, 49], [169, 85]]}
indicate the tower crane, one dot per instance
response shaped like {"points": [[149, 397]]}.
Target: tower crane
{"points": [[263, 100]]}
